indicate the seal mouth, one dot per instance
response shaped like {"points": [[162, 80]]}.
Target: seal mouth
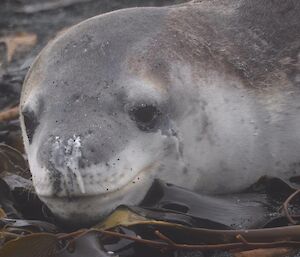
{"points": [[90, 208], [140, 177]]}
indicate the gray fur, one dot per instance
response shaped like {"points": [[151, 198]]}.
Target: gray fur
{"points": [[224, 75]]}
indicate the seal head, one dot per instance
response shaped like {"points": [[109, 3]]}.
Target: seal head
{"points": [[95, 132]]}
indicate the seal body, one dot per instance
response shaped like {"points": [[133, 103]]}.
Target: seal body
{"points": [[204, 95]]}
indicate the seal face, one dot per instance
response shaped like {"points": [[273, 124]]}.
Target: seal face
{"points": [[171, 93]]}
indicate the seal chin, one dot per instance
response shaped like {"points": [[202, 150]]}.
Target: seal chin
{"points": [[88, 210]]}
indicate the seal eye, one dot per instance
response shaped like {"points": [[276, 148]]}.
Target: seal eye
{"points": [[146, 116], [30, 122]]}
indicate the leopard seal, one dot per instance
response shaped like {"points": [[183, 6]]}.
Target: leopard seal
{"points": [[204, 95]]}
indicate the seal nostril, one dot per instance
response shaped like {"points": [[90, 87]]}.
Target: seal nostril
{"points": [[30, 122]]}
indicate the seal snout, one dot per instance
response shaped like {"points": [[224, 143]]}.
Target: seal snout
{"points": [[69, 166]]}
